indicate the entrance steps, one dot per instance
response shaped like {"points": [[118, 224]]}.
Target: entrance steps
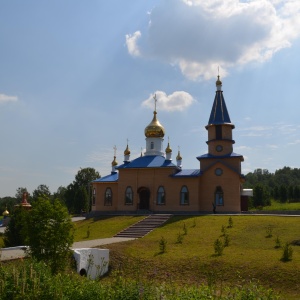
{"points": [[144, 226]]}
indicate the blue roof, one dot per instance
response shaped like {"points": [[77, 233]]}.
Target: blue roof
{"points": [[219, 113], [207, 155], [148, 161], [113, 177], [188, 173]]}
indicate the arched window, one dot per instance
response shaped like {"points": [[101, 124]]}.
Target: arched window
{"points": [[129, 196], [161, 196], [108, 197], [184, 196], [219, 196], [94, 196], [152, 145]]}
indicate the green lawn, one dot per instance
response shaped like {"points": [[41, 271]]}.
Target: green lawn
{"points": [[250, 255], [282, 206], [102, 227]]}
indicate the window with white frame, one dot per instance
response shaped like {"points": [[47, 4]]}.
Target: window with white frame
{"points": [[108, 197], [184, 196], [161, 196], [129, 196]]}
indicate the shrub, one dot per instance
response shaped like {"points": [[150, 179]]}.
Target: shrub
{"points": [[230, 222], [184, 229], [223, 230], [162, 245], [179, 238], [287, 253], [277, 242], [269, 232], [219, 247], [226, 240]]}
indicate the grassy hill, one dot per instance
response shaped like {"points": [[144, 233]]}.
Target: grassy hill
{"points": [[252, 254]]}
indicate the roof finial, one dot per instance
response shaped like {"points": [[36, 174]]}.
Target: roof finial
{"points": [[127, 151], [155, 100], [115, 150], [219, 82]]}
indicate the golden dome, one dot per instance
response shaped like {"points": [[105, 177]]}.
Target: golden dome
{"points": [[5, 213], [168, 149], [154, 129], [114, 162], [127, 151], [218, 82], [178, 157]]}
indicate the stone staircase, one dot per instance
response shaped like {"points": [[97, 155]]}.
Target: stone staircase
{"points": [[144, 226]]}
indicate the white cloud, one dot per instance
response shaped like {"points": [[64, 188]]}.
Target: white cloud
{"points": [[199, 35], [178, 101], [131, 42], [5, 98]]}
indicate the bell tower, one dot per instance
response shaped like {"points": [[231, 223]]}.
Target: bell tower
{"points": [[219, 126]]}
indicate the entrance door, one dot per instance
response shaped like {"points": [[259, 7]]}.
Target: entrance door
{"points": [[144, 195]]}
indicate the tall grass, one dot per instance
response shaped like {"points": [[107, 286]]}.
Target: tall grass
{"points": [[34, 281]]}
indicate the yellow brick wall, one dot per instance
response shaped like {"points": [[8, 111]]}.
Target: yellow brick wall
{"points": [[230, 183]]}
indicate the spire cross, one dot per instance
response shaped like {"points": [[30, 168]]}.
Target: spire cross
{"points": [[127, 141], [155, 100], [115, 150]]}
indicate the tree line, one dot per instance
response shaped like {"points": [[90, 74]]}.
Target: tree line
{"points": [[77, 196], [283, 185]]}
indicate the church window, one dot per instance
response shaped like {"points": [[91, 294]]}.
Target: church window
{"points": [[108, 197], [152, 145], [161, 196], [218, 132], [94, 196], [219, 196], [218, 171], [128, 196], [184, 196]]}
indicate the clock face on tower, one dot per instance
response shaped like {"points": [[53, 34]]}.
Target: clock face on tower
{"points": [[219, 148]]}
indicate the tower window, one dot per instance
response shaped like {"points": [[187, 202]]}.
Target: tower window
{"points": [[128, 196], [219, 196], [184, 196], [161, 196], [108, 197], [152, 145], [218, 132]]}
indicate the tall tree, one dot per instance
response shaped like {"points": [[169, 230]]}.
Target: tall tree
{"points": [[16, 231], [41, 191], [261, 196], [50, 233], [75, 198]]}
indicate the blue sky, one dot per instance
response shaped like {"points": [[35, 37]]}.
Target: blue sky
{"points": [[78, 77]]}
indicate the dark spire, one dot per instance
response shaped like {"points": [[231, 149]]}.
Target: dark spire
{"points": [[219, 114]]}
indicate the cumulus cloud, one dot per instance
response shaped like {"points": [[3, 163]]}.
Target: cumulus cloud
{"points": [[178, 101], [198, 35], [131, 42], [5, 98]]}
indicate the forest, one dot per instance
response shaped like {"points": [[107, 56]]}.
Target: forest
{"points": [[283, 185]]}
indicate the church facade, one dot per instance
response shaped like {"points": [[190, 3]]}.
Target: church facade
{"points": [[154, 183]]}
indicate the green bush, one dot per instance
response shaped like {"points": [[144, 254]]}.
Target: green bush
{"points": [[179, 238], [162, 245], [219, 247], [287, 254]]}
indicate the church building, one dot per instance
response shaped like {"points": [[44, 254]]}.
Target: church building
{"points": [[155, 183]]}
